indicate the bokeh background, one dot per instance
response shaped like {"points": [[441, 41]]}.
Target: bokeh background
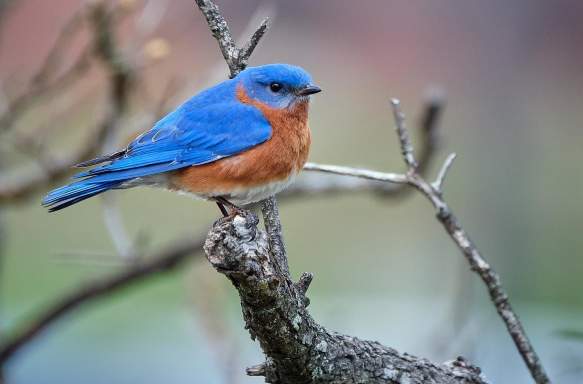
{"points": [[385, 269]]}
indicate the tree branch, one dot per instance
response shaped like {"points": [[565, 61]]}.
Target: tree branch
{"points": [[298, 349], [433, 192]]}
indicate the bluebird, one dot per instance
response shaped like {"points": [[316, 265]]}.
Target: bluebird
{"points": [[236, 143]]}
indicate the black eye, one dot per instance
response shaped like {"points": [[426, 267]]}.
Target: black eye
{"points": [[275, 87]]}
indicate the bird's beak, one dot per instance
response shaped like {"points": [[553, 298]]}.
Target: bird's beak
{"points": [[309, 90]]}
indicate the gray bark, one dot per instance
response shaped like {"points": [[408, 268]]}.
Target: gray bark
{"points": [[297, 349]]}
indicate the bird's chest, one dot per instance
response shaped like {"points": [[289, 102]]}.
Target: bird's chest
{"points": [[289, 145], [280, 157]]}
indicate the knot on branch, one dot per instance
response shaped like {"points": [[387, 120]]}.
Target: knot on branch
{"points": [[235, 246]]}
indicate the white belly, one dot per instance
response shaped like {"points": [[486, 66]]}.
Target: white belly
{"points": [[242, 196], [246, 196]]}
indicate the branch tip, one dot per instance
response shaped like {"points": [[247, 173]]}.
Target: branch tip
{"points": [[438, 183], [246, 51], [256, 370], [304, 282], [403, 135]]}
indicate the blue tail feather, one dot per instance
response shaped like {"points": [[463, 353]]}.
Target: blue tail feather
{"points": [[73, 193]]}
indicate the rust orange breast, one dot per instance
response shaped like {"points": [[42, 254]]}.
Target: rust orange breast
{"points": [[278, 158]]}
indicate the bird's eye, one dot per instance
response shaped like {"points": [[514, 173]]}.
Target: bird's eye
{"points": [[275, 87]]}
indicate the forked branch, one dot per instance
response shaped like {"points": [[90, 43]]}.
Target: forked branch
{"points": [[434, 193]]}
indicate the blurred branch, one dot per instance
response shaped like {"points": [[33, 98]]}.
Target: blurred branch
{"points": [[434, 193], [43, 83], [120, 76], [167, 260]]}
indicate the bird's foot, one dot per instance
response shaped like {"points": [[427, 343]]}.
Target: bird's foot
{"points": [[232, 211]]}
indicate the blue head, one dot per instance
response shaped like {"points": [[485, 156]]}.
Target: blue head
{"points": [[277, 85]]}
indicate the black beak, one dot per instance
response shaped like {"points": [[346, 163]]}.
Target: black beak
{"points": [[309, 90]]}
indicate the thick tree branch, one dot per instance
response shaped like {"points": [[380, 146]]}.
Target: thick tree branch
{"points": [[298, 349]]}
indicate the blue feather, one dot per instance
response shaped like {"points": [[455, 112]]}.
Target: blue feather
{"points": [[191, 135], [209, 126]]}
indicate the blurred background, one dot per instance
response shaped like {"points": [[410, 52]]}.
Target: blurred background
{"points": [[512, 73]]}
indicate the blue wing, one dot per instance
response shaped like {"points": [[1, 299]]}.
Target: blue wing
{"points": [[191, 135]]}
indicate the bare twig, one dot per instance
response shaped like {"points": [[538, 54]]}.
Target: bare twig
{"points": [[394, 178], [457, 233], [166, 260], [249, 47], [403, 135], [437, 184], [236, 58]]}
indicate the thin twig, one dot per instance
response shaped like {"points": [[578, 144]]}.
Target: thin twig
{"points": [[236, 58], [437, 184], [395, 178], [403, 135], [249, 47], [460, 237]]}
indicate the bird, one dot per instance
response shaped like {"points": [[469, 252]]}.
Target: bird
{"points": [[235, 143]]}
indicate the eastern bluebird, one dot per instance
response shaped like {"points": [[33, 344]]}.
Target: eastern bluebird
{"points": [[237, 142]]}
